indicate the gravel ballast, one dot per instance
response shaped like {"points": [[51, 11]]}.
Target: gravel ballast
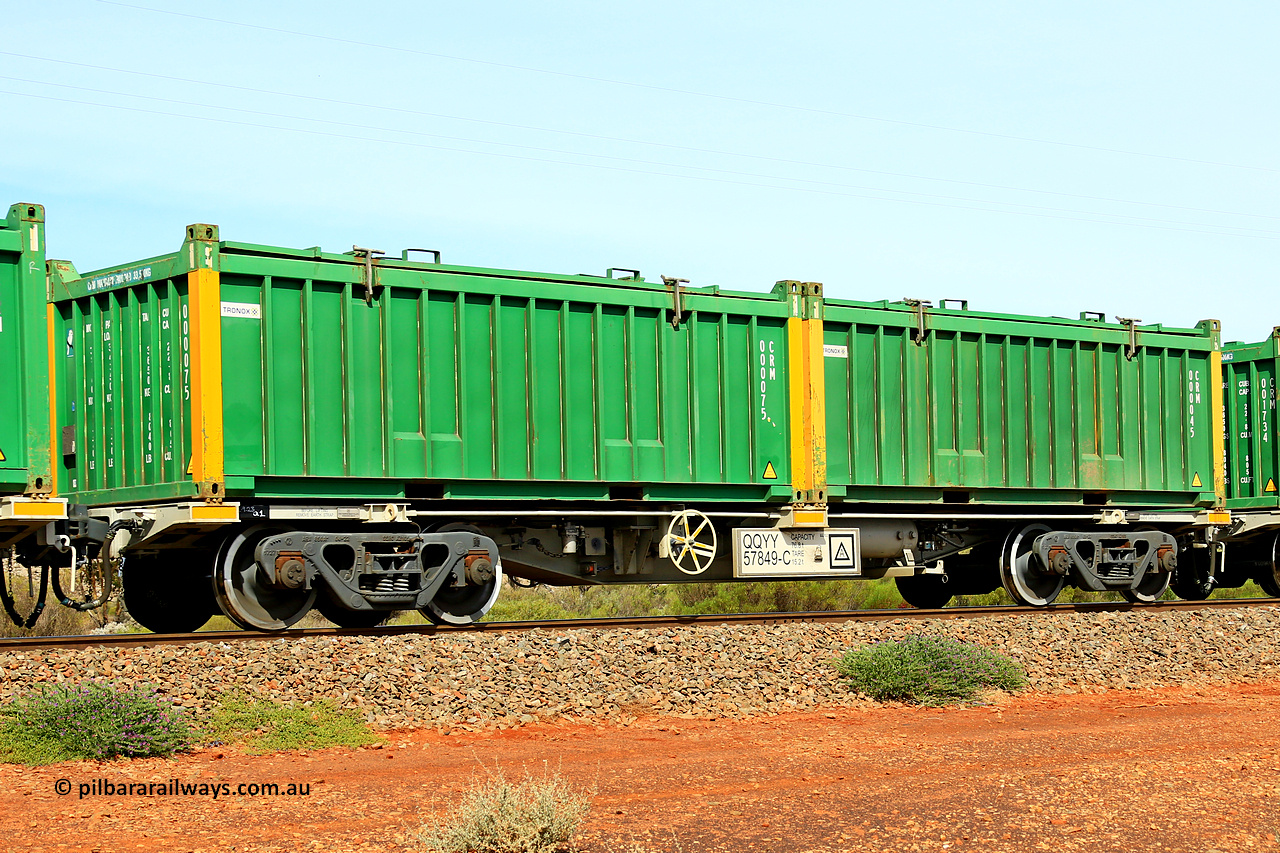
{"points": [[486, 680]]}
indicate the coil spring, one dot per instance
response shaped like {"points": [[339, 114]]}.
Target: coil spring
{"points": [[393, 583]]}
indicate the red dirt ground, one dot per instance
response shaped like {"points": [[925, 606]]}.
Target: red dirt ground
{"points": [[1194, 769]]}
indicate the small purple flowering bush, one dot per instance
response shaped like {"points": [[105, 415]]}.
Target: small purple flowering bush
{"points": [[926, 670], [91, 720]]}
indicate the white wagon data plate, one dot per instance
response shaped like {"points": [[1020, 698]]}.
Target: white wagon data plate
{"points": [[771, 552]]}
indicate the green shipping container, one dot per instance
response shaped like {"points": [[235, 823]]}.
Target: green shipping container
{"points": [[256, 371], [1253, 456], [24, 354], [955, 406], [248, 371]]}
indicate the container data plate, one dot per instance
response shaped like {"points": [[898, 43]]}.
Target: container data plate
{"points": [[772, 552]]}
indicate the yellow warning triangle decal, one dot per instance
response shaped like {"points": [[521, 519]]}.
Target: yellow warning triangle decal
{"points": [[769, 473], [1195, 481], [1, 455], [1271, 484]]}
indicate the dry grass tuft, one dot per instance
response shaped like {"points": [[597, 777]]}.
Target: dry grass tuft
{"points": [[534, 815]]}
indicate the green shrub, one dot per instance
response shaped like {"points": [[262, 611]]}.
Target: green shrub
{"points": [[532, 816], [527, 607], [93, 720], [928, 670], [1249, 590], [265, 726]]}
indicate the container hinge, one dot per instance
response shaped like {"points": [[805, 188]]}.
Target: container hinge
{"points": [[921, 307], [1132, 326], [370, 281], [677, 302]]}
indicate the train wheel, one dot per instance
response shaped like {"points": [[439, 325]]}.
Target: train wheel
{"points": [[1153, 584], [354, 620], [1021, 572], [168, 593], [1150, 589], [242, 593], [975, 573], [1269, 575], [464, 605], [1191, 577], [928, 592]]}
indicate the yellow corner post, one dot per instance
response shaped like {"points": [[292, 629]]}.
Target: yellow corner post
{"points": [[807, 395], [817, 374], [54, 454], [1218, 428], [798, 372], [204, 298]]}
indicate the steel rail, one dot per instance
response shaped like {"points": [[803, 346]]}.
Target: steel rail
{"points": [[949, 613]]}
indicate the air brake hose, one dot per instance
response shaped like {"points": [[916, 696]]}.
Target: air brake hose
{"points": [[7, 598], [104, 564]]}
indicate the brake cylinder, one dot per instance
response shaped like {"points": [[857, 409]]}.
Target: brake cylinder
{"points": [[887, 538]]}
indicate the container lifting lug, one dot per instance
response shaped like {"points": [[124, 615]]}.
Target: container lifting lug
{"points": [[921, 306], [370, 281], [434, 253], [677, 303], [1132, 325]]}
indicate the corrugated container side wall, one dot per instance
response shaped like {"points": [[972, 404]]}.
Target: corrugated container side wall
{"points": [[446, 382], [1014, 409], [122, 365], [24, 356], [1249, 374], [496, 385]]}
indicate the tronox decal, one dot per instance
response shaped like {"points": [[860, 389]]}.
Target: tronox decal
{"points": [[246, 310]]}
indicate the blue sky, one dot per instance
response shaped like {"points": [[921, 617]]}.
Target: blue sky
{"points": [[1042, 158]]}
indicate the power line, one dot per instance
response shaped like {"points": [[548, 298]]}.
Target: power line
{"points": [[603, 137], [630, 160], [688, 92], [1113, 221]]}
